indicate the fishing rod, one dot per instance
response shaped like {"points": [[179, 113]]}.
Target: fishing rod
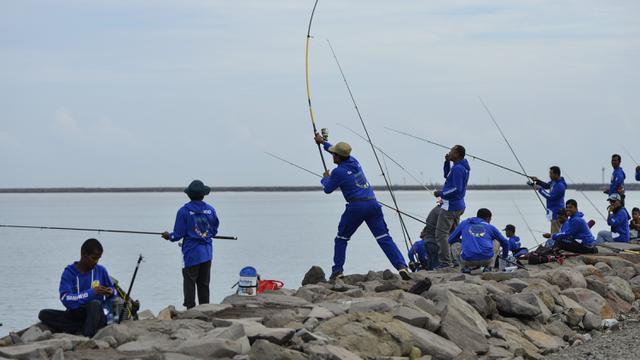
{"points": [[414, 217], [102, 230], [127, 297], [586, 197], [467, 154], [306, 69], [390, 158], [405, 234], [631, 156], [512, 152], [525, 222]]}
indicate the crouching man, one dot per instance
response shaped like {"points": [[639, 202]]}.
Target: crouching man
{"points": [[85, 290], [480, 242]]}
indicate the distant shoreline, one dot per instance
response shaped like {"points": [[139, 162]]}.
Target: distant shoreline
{"points": [[583, 187]]}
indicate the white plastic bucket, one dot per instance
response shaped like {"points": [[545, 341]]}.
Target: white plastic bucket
{"points": [[248, 282]]}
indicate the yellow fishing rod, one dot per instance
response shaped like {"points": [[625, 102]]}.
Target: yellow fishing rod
{"points": [[306, 69]]}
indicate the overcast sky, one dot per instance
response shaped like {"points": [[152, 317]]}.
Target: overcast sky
{"points": [[158, 92]]}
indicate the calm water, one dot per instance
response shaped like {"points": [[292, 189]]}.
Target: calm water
{"points": [[281, 234]]}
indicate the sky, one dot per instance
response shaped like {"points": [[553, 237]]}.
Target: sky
{"points": [[160, 92]]}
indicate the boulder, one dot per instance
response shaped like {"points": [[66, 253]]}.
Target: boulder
{"points": [[37, 350], [167, 313], [544, 342], [210, 347], [432, 344], [575, 316], [267, 299], [462, 331], [329, 352], [589, 270], [146, 315], [313, 293], [375, 304], [411, 316], [635, 286], [513, 337], [591, 301], [473, 294], [604, 268], [567, 279], [443, 297], [314, 275], [263, 349], [591, 322], [320, 312], [35, 333], [516, 305], [597, 284], [501, 276], [620, 287], [516, 284], [626, 273], [548, 293]]}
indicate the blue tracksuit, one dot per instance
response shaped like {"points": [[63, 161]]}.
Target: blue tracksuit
{"points": [[418, 252], [575, 229], [553, 191], [455, 185], [564, 227], [477, 239], [361, 207], [515, 247], [619, 222], [76, 289], [617, 180], [196, 223]]}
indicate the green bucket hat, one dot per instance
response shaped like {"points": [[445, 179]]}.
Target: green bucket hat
{"points": [[197, 188]]}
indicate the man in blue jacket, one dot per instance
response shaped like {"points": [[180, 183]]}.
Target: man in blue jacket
{"points": [[575, 235], [618, 218], [85, 290], [196, 223], [451, 197], [477, 236], [553, 191], [514, 241], [418, 255], [362, 206], [638, 173], [617, 177]]}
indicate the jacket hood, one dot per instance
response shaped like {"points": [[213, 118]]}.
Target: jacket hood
{"points": [[464, 163], [562, 181], [196, 205], [476, 220], [578, 214]]}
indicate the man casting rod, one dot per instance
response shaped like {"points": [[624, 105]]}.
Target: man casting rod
{"points": [[102, 230]]}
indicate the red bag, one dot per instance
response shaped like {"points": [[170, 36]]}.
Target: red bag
{"points": [[269, 285]]}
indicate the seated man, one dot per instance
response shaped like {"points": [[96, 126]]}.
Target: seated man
{"points": [[634, 224], [418, 256], [618, 218], [564, 225], [576, 236], [85, 288], [477, 236], [514, 241]]}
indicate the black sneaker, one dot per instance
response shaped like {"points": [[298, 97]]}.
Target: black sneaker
{"points": [[404, 274], [336, 275]]}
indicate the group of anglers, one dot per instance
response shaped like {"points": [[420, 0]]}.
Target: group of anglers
{"points": [[86, 288]]}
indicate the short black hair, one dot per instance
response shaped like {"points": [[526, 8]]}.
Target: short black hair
{"points": [[199, 197], [484, 214], [460, 150], [634, 210], [555, 170], [616, 156], [572, 202], [562, 211], [91, 246]]}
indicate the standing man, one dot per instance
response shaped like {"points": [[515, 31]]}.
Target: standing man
{"points": [[85, 290], [452, 197], [553, 191], [617, 177], [618, 218], [196, 223], [575, 236], [477, 236], [362, 206]]}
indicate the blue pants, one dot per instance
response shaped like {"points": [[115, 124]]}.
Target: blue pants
{"points": [[354, 215]]}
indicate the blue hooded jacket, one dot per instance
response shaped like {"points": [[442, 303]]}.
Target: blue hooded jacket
{"points": [[418, 250], [514, 244], [617, 180], [76, 288], [350, 178], [197, 223], [477, 239], [455, 185], [575, 229], [553, 191], [619, 222]]}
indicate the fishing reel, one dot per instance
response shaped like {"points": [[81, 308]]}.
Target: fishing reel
{"points": [[325, 134]]}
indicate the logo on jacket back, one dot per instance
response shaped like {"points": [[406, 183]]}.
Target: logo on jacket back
{"points": [[361, 180], [201, 224], [477, 230]]}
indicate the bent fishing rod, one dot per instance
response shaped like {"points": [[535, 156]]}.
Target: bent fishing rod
{"points": [[525, 222], [385, 154], [306, 69], [320, 176], [128, 296], [631, 156], [449, 147], [101, 230], [586, 197], [512, 152], [405, 234]]}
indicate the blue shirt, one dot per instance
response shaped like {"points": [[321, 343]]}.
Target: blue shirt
{"points": [[455, 185], [350, 178], [197, 223], [418, 250], [575, 229], [619, 222], [476, 236], [617, 180], [77, 289], [553, 191]]}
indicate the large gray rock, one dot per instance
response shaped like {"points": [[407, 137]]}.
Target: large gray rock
{"points": [[267, 299], [516, 284], [38, 350], [313, 293], [536, 301], [591, 322], [443, 297], [210, 347], [320, 312], [620, 287], [314, 275], [516, 305], [329, 352], [411, 316], [516, 342], [460, 329], [376, 304], [544, 342], [263, 349], [567, 279], [203, 312], [35, 333], [635, 286], [502, 276], [591, 301], [431, 344], [475, 295]]}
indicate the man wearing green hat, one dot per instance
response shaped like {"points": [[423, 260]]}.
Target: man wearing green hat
{"points": [[197, 224], [362, 206]]}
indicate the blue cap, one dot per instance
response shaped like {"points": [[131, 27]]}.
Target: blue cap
{"points": [[248, 271]]}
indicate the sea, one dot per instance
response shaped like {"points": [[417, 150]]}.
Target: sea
{"points": [[281, 234]]}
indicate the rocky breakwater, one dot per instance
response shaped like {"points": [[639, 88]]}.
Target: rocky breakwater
{"points": [[521, 315]]}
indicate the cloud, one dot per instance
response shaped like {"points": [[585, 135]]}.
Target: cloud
{"points": [[102, 130]]}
